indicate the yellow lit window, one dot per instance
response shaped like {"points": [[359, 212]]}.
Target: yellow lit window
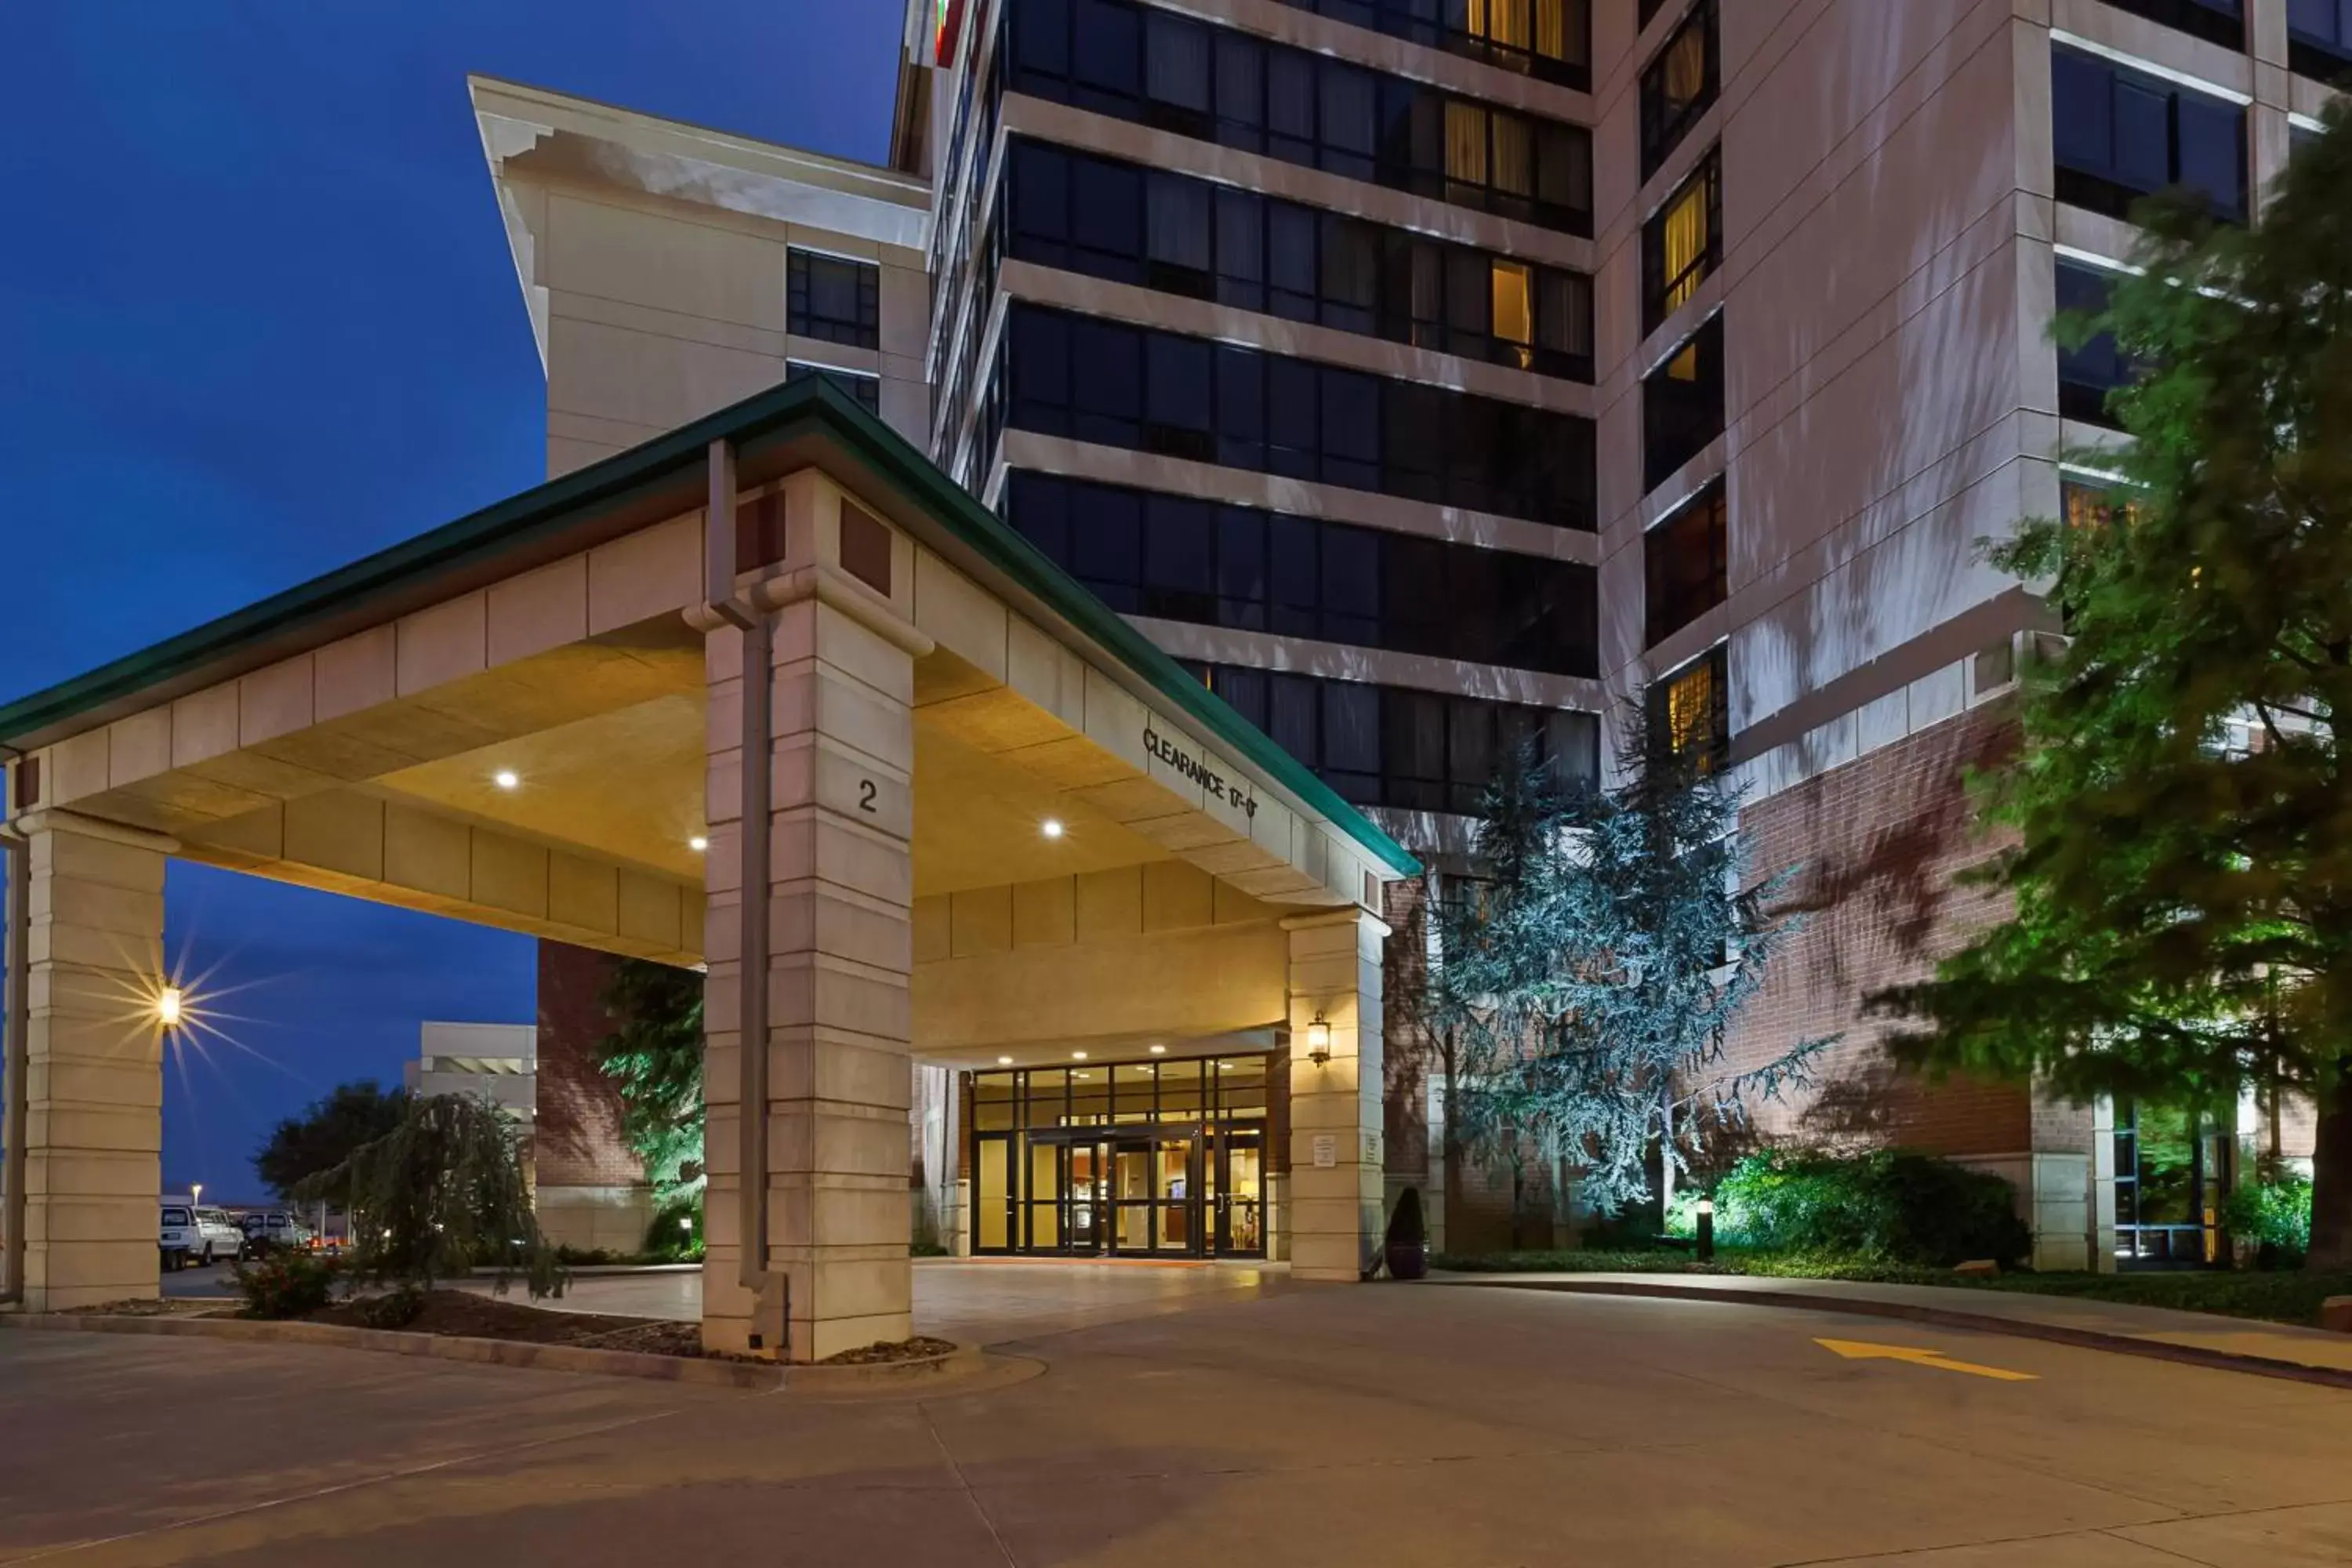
{"points": [[1515, 310], [1508, 22], [1685, 240], [1551, 29], [1684, 366], [1690, 715], [1466, 142]]}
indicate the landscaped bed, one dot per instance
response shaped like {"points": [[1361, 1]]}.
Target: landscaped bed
{"points": [[2280, 1297]]}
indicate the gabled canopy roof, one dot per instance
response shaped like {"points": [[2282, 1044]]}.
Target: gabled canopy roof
{"points": [[773, 433]]}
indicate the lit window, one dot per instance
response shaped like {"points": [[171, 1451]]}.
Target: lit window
{"points": [[1515, 303], [1687, 712], [1686, 243]]}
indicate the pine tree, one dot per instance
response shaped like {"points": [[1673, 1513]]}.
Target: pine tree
{"points": [[2181, 864], [655, 1056], [1594, 982]]}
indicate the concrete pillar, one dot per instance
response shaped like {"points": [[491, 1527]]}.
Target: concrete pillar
{"points": [[1336, 1126], [840, 889], [94, 1114]]}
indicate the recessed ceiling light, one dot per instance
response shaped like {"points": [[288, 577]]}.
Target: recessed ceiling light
{"points": [[1159, 1050], [697, 844], [1051, 827], [1078, 1056], [1004, 1061], [507, 778]]}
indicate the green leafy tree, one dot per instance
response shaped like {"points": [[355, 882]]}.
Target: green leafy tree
{"points": [[655, 1056], [325, 1135], [2179, 823], [1594, 982], [441, 1192]]}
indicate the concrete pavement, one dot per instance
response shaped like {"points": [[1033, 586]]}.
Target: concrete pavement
{"points": [[1305, 1425], [2024, 1311]]}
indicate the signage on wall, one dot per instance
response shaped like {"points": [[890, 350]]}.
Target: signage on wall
{"points": [[1326, 1151], [1235, 793]]}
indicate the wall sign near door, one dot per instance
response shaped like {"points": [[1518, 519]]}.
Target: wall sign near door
{"points": [[1326, 1152]]}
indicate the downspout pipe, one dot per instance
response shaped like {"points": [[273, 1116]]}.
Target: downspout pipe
{"points": [[757, 626], [15, 1052]]}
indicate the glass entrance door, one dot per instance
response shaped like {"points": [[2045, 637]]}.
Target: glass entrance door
{"points": [[1241, 1194], [1082, 1188]]}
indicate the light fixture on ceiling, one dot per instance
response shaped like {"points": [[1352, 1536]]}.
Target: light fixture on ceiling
{"points": [[1159, 1050], [697, 844], [1004, 1061], [1051, 827], [1078, 1056], [507, 778]]}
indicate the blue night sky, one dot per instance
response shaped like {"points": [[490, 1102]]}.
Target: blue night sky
{"points": [[257, 320]]}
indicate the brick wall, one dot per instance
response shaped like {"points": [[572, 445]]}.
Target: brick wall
{"points": [[1879, 841], [579, 1124]]}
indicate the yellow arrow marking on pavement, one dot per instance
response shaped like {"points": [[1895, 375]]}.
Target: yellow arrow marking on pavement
{"points": [[1860, 1349]]}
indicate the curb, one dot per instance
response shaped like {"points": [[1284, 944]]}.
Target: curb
{"points": [[1939, 1317], [955, 1366]]}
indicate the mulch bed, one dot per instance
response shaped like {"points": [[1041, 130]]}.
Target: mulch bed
{"points": [[920, 1348], [458, 1314], [168, 1306]]}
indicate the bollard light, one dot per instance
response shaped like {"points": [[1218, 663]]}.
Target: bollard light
{"points": [[1705, 1231]]}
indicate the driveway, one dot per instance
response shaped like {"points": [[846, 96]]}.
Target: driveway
{"points": [[1304, 1426]]}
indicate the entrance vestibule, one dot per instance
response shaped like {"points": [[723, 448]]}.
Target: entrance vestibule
{"points": [[1164, 1158]]}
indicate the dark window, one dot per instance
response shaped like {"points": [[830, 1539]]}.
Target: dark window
{"points": [[1326, 582], [1185, 236], [2221, 22], [2085, 375], [1687, 558], [867, 389], [1680, 85], [832, 299], [1548, 39], [1682, 245], [2121, 135], [1218, 84], [1148, 390], [2319, 38], [1647, 12], [1403, 748], [1690, 711], [1682, 403]]}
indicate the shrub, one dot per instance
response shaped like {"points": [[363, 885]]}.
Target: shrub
{"points": [[675, 1234], [1890, 1205], [286, 1283], [2273, 1218], [393, 1309]]}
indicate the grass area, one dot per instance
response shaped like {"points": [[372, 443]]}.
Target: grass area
{"points": [[2280, 1298]]}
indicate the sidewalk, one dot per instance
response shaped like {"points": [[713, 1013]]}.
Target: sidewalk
{"points": [[2201, 1339]]}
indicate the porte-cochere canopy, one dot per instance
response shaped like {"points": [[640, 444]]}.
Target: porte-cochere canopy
{"points": [[997, 822]]}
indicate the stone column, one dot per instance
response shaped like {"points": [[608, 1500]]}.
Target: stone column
{"points": [[1335, 1215], [840, 889], [94, 1113]]}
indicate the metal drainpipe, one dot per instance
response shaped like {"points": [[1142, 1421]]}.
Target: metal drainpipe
{"points": [[17, 1053], [752, 953]]}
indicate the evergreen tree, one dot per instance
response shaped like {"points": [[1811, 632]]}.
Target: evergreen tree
{"points": [[1594, 981], [2180, 823], [655, 1056], [325, 1135]]}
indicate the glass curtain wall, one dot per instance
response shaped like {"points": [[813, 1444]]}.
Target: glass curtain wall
{"points": [[1135, 1159]]}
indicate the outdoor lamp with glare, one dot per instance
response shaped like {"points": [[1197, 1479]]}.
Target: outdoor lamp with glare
{"points": [[168, 1003], [1319, 1039]]}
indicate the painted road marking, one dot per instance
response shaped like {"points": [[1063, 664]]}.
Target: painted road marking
{"points": [[1860, 1349]]}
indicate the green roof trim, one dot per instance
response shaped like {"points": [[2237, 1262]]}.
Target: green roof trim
{"points": [[772, 416]]}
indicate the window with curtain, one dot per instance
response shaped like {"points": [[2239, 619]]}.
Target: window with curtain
{"points": [[1215, 82], [1679, 86], [1690, 712], [1683, 404], [1686, 561], [1548, 39], [1515, 305], [1682, 245]]}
